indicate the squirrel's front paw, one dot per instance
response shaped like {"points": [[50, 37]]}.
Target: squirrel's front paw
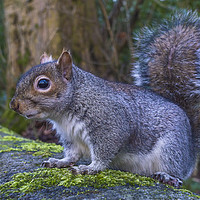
{"points": [[59, 163], [83, 169]]}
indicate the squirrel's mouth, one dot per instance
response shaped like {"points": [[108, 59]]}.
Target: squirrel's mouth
{"points": [[30, 116], [37, 115]]}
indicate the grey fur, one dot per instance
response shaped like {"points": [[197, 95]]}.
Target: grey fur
{"points": [[117, 125], [169, 63]]}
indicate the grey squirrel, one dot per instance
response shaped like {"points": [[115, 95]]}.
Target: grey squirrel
{"points": [[120, 126]]}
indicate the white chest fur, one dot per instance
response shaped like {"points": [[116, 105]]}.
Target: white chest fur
{"points": [[71, 129]]}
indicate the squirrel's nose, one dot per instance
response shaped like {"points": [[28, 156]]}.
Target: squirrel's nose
{"points": [[14, 105]]}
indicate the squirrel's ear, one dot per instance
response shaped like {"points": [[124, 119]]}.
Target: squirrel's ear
{"points": [[45, 58], [64, 64]]}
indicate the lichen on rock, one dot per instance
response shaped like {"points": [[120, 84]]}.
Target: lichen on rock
{"points": [[23, 144], [21, 176], [43, 178]]}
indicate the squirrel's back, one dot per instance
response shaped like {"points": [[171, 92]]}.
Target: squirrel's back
{"points": [[169, 62]]}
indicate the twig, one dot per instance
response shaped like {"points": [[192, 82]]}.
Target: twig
{"points": [[130, 43], [164, 6], [115, 55], [2, 57], [51, 36], [136, 14], [115, 11]]}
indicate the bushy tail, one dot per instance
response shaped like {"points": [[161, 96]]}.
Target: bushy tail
{"points": [[168, 61]]}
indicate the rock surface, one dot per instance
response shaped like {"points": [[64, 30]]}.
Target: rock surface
{"points": [[21, 176]]}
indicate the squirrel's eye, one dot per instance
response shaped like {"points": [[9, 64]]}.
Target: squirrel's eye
{"points": [[43, 84]]}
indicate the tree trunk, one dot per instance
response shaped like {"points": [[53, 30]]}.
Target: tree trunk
{"points": [[81, 33], [31, 29]]}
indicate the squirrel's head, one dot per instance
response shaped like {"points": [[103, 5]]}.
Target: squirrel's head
{"points": [[45, 89]]}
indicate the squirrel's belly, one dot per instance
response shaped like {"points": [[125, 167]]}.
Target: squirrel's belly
{"points": [[143, 164], [71, 129]]}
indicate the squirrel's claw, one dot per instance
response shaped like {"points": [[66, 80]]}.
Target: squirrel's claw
{"points": [[47, 164], [82, 169], [59, 163], [167, 179]]}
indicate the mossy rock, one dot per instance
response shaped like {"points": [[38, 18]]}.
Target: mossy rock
{"points": [[21, 176]]}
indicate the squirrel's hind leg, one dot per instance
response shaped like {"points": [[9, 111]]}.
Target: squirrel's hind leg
{"points": [[167, 179]]}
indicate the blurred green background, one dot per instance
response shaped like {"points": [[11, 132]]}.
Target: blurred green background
{"points": [[99, 34]]}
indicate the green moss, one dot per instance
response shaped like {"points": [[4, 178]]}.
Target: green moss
{"points": [[22, 144], [41, 146], [7, 131], [42, 149], [190, 193], [11, 138], [8, 149], [43, 178]]}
